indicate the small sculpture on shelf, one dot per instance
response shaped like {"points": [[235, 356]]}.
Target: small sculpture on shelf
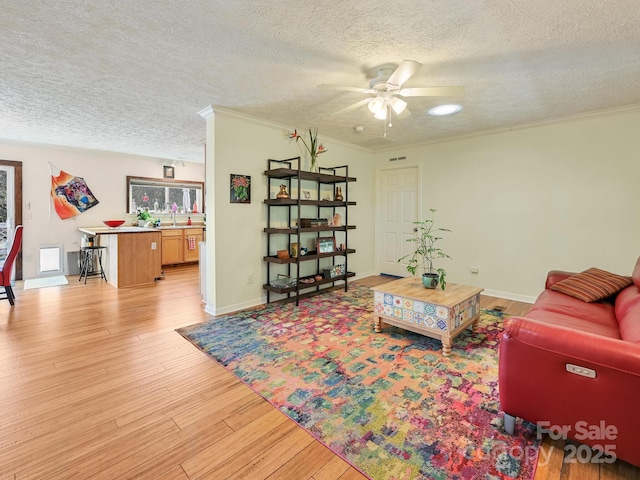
{"points": [[283, 192], [338, 196]]}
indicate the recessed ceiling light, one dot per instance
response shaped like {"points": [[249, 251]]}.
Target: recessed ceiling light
{"points": [[448, 109]]}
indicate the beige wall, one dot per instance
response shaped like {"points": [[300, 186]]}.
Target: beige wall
{"points": [[242, 146], [105, 174], [556, 196], [521, 202]]}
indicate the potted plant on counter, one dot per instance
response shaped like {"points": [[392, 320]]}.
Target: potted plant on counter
{"points": [[426, 251], [144, 217]]}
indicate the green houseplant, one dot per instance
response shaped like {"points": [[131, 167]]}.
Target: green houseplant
{"points": [[143, 216], [426, 251]]}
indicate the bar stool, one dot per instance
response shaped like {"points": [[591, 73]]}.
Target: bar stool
{"points": [[87, 269]]}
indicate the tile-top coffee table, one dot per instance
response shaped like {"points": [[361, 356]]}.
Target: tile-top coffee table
{"points": [[435, 313]]}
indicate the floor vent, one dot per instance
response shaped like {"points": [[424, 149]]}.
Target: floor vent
{"points": [[499, 308]]}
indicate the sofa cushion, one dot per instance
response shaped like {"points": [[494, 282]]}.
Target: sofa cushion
{"points": [[560, 309], [592, 285], [570, 321], [628, 313], [557, 302]]}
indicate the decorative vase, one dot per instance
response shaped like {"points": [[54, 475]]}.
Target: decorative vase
{"points": [[315, 168], [338, 196], [430, 280], [283, 192]]}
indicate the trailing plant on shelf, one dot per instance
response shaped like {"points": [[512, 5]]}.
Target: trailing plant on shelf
{"points": [[426, 251]]}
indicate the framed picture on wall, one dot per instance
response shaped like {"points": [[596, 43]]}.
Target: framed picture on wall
{"points": [[240, 186], [169, 171]]}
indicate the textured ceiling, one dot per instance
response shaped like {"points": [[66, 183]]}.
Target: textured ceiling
{"points": [[131, 76]]}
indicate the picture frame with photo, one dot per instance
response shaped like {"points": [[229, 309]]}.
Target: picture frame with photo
{"points": [[325, 244], [169, 171]]}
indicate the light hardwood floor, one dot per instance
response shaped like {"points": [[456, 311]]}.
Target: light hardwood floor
{"points": [[95, 383]]}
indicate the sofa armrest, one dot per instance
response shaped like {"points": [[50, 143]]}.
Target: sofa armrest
{"points": [[576, 345], [536, 385], [555, 276]]}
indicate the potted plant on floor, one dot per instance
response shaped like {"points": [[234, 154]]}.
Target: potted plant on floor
{"points": [[426, 251]]}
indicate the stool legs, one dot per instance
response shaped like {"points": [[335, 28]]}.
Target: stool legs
{"points": [[86, 261], [102, 274]]}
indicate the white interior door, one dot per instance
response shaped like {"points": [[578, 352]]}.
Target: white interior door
{"points": [[398, 206]]}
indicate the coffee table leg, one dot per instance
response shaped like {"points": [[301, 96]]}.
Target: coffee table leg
{"points": [[377, 323], [446, 347], [475, 325]]}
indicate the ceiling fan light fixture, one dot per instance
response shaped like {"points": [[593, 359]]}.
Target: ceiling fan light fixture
{"points": [[381, 114], [376, 104], [398, 105], [447, 109]]}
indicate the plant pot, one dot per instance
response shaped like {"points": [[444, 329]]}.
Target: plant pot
{"points": [[430, 280]]}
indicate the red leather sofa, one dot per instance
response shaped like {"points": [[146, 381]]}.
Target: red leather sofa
{"points": [[573, 368]]}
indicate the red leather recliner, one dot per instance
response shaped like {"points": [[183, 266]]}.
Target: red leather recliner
{"points": [[574, 368]]}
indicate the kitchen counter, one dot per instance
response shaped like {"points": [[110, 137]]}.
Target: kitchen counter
{"points": [[132, 254], [132, 229], [109, 230]]}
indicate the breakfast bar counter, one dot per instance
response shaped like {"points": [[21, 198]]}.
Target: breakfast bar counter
{"points": [[132, 256]]}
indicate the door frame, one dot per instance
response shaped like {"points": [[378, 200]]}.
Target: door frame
{"points": [[17, 189], [378, 204]]}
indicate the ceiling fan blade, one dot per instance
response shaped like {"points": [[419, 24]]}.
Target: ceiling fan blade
{"points": [[432, 92], [345, 88], [404, 71], [353, 107]]}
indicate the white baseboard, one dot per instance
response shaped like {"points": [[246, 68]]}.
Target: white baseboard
{"points": [[509, 296], [212, 310], [360, 276]]}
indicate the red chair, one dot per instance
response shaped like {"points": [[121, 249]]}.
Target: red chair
{"points": [[5, 269]]}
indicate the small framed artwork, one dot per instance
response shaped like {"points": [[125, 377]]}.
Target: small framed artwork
{"points": [[326, 244], [169, 171], [240, 186]]}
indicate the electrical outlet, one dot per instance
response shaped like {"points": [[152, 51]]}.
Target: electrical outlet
{"points": [[153, 245], [250, 278], [473, 269]]}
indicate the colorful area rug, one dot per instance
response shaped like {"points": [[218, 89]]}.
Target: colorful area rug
{"points": [[389, 403]]}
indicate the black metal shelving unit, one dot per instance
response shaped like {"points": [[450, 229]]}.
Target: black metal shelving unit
{"points": [[288, 172]]}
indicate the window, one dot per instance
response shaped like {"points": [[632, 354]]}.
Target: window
{"points": [[158, 195]]}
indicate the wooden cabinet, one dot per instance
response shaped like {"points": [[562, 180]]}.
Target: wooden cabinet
{"points": [[171, 246], [132, 258], [323, 196], [191, 244], [181, 245]]}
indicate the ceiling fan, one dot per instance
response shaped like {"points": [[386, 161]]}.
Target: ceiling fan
{"points": [[386, 88]]}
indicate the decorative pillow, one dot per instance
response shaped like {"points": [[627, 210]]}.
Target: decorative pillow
{"points": [[592, 285]]}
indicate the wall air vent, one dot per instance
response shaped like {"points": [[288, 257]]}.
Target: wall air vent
{"points": [[397, 159]]}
